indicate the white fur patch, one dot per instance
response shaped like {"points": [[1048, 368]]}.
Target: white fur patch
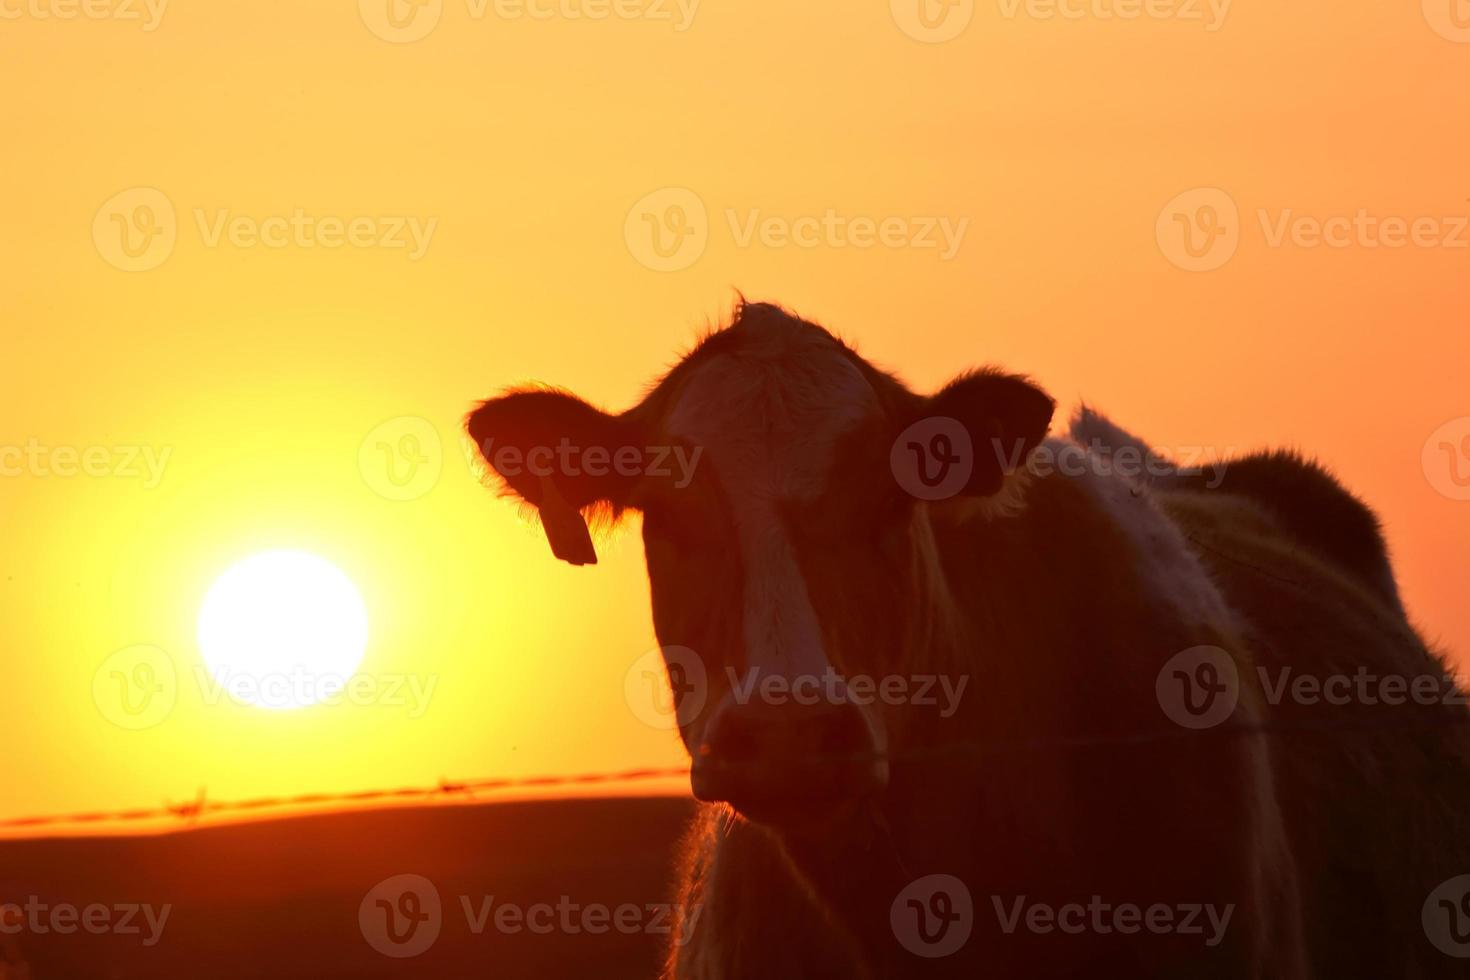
{"points": [[768, 417], [1094, 430], [1167, 565]]}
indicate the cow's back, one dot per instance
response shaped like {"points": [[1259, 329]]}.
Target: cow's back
{"points": [[1373, 793]]}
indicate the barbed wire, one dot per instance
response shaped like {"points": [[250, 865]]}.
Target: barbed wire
{"points": [[201, 806]]}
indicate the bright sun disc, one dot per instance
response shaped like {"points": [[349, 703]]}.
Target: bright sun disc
{"points": [[282, 629]]}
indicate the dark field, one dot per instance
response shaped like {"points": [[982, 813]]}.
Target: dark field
{"points": [[281, 898]]}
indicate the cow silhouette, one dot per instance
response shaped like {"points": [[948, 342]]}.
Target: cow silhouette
{"points": [[859, 543]]}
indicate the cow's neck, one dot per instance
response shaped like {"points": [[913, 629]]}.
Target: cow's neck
{"points": [[1042, 608]]}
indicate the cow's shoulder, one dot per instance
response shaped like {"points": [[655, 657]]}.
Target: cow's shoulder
{"points": [[1078, 500]]}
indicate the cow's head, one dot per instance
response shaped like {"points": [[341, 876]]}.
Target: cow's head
{"points": [[784, 547]]}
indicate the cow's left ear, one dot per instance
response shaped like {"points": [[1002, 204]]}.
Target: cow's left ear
{"points": [[1006, 418], [556, 452]]}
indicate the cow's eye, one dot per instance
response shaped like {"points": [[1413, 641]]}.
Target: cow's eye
{"points": [[893, 509], [675, 526], [888, 524], [658, 524]]}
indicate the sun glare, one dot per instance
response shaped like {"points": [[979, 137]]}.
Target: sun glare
{"points": [[282, 629]]}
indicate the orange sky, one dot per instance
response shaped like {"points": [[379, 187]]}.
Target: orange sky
{"points": [[518, 146]]}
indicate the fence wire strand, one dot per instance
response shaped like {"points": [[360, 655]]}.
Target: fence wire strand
{"points": [[202, 806]]}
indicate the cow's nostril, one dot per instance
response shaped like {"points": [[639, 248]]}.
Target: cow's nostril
{"points": [[788, 734], [736, 739], [843, 734], [779, 763]]}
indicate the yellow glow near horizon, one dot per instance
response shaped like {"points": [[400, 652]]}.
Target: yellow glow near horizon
{"points": [[283, 630]]}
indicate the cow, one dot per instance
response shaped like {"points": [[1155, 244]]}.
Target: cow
{"points": [[1073, 809]]}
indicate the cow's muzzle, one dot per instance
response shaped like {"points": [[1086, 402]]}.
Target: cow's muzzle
{"points": [[782, 764]]}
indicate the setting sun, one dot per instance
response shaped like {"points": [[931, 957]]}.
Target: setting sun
{"points": [[282, 629]]}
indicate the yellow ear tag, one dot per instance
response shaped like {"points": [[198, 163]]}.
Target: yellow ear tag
{"points": [[565, 527]]}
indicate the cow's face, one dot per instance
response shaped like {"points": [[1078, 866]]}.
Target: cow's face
{"points": [[782, 551]]}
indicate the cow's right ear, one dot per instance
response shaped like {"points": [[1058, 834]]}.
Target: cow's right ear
{"points": [[987, 420], [558, 453]]}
